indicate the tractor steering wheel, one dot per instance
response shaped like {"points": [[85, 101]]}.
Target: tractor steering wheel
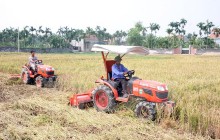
{"points": [[129, 74], [38, 62]]}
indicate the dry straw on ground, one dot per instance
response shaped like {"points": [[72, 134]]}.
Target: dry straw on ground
{"points": [[28, 112]]}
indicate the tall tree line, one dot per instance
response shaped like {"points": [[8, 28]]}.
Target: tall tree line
{"points": [[139, 35]]}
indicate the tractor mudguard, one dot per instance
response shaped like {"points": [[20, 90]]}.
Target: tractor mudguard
{"points": [[107, 84], [28, 69]]}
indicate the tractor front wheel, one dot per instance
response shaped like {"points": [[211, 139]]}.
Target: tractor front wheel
{"points": [[39, 82], [103, 99], [25, 77], [145, 110]]}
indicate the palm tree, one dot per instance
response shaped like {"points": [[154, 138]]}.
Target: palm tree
{"points": [[47, 32], [175, 26], [156, 27], [101, 34], [183, 22], [108, 37], [143, 30], [90, 31], [178, 28], [40, 30], [32, 29], [60, 33], [201, 26], [151, 27], [209, 25], [70, 34], [139, 26], [169, 31], [24, 34], [118, 36], [172, 25], [10, 35], [206, 28], [66, 28], [79, 34], [1, 37]]}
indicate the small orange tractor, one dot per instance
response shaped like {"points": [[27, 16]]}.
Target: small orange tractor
{"points": [[107, 94], [43, 76]]}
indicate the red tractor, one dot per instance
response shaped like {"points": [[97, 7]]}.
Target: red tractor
{"points": [[105, 97], [43, 76]]}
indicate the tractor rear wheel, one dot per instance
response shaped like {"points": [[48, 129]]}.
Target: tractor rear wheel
{"points": [[39, 82], [25, 76], [103, 99], [145, 110]]}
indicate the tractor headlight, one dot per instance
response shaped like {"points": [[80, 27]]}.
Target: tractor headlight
{"points": [[50, 69], [160, 88], [53, 69], [166, 88]]}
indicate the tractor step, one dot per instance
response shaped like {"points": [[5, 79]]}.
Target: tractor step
{"points": [[121, 99]]}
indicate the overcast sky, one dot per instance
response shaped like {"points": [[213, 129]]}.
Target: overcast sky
{"points": [[111, 14]]}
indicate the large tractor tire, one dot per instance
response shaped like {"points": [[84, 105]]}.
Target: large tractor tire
{"points": [[145, 110], [39, 82], [25, 76], [103, 99]]}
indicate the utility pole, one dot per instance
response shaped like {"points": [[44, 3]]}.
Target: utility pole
{"points": [[18, 41]]}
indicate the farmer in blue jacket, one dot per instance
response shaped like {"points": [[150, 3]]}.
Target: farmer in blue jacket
{"points": [[118, 72]]}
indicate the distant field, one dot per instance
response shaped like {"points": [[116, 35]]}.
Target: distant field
{"points": [[193, 82]]}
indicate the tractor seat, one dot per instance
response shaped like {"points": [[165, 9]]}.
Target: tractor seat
{"points": [[111, 81], [110, 75]]}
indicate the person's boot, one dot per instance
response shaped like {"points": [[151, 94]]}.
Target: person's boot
{"points": [[125, 95]]}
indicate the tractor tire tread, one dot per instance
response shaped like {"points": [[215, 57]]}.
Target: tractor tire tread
{"points": [[29, 80], [111, 103], [42, 84], [151, 110]]}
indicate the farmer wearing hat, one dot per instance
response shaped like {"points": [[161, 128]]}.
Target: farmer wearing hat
{"points": [[118, 72], [32, 59]]}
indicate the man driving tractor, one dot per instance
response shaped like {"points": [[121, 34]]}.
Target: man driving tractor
{"points": [[32, 59], [118, 72]]}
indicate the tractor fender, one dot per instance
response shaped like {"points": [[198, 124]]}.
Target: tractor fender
{"points": [[29, 71], [25, 67], [115, 92]]}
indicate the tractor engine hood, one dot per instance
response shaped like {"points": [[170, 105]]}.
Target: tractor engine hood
{"points": [[45, 70], [45, 67], [154, 85]]}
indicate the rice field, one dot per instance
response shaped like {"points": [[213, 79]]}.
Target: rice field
{"points": [[193, 82]]}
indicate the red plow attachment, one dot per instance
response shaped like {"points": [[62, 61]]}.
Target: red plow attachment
{"points": [[15, 76], [82, 100]]}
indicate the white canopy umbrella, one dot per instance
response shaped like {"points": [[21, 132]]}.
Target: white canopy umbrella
{"points": [[120, 49]]}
